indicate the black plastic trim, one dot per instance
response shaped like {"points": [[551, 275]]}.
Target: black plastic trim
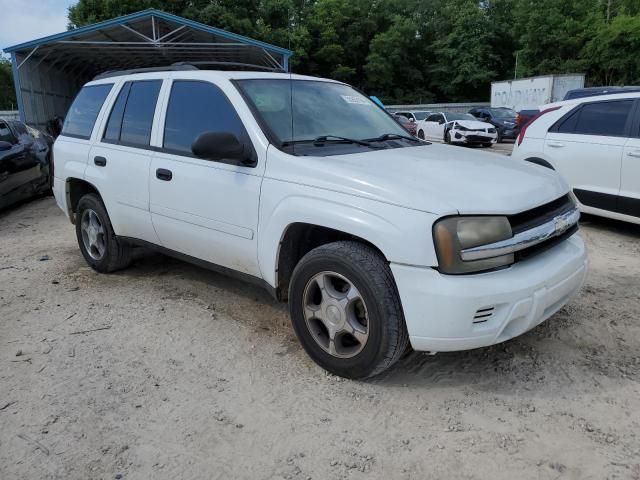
{"points": [[540, 161], [245, 277], [606, 201]]}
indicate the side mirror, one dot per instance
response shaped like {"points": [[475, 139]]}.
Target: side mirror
{"points": [[4, 146], [222, 146]]}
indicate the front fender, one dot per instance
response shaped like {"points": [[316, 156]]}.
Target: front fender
{"points": [[403, 235]]}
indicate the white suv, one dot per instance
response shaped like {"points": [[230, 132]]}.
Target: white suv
{"points": [[594, 143], [304, 185]]}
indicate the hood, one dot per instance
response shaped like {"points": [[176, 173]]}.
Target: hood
{"points": [[472, 124], [434, 178]]}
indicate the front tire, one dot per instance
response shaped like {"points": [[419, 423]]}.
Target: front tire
{"points": [[346, 311], [98, 243]]}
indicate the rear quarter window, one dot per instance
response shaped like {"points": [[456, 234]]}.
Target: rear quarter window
{"points": [[84, 110], [598, 118]]}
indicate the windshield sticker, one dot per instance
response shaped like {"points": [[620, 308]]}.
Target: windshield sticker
{"points": [[355, 100]]}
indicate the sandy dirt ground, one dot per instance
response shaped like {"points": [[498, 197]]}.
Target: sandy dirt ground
{"points": [[183, 373]]}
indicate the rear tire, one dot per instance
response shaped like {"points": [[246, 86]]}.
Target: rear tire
{"points": [[347, 287], [100, 247], [420, 134]]}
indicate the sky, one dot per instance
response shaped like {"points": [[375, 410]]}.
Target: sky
{"points": [[24, 20]]}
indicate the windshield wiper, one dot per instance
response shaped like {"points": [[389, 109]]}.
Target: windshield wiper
{"points": [[392, 136], [328, 138], [331, 138]]}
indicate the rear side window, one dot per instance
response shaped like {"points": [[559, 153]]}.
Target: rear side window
{"points": [[5, 133], [84, 110], [599, 118], [132, 114], [194, 108]]}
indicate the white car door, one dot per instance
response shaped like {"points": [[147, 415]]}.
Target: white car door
{"points": [[629, 200], [120, 157], [204, 208], [586, 148], [432, 125]]}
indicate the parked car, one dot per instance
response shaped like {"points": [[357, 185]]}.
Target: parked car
{"points": [[597, 91], [25, 162], [461, 128], [407, 124], [376, 239], [503, 119], [594, 143], [414, 115], [524, 116]]}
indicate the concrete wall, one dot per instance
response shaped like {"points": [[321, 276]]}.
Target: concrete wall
{"points": [[10, 114], [439, 107]]}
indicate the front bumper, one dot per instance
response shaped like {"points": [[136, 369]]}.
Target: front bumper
{"points": [[461, 312], [511, 133], [473, 137]]}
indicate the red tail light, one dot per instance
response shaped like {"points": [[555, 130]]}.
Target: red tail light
{"points": [[523, 130]]}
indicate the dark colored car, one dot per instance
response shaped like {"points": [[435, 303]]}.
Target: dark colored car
{"points": [[525, 116], [596, 91], [25, 162], [409, 126], [504, 119]]}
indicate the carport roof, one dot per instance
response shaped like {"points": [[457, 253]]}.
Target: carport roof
{"points": [[151, 38]]}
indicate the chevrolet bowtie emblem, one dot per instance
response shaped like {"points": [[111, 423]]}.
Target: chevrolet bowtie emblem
{"points": [[561, 224]]}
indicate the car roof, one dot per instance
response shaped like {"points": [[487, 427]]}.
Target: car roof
{"points": [[209, 75], [597, 98]]}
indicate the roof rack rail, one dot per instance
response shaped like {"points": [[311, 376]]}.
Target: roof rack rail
{"points": [[167, 68]]}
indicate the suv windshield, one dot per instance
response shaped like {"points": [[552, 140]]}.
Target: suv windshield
{"points": [[460, 116], [502, 112], [318, 112]]}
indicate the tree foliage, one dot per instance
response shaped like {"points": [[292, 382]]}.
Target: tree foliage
{"points": [[7, 92], [422, 50]]}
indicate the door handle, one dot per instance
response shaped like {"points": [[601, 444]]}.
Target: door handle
{"points": [[100, 161], [556, 144], [634, 154], [164, 174]]}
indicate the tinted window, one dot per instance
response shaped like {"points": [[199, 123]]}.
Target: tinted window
{"points": [[84, 110], [194, 108], [20, 128], [601, 118], [432, 118], [5, 133], [138, 113], [112, 132]]}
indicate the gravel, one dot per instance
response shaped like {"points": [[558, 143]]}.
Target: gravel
{"points": [[166, 370]]}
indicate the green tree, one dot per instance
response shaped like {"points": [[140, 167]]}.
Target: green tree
{"points": [[7, 90], [612, 52]]}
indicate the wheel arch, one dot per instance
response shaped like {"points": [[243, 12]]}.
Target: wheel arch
{"points": [[539, 161], [297, 240], [75, 189]]}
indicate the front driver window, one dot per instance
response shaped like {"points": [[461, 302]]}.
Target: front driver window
{"points": [[5, 134]]}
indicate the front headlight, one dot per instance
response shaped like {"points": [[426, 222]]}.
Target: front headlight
{"points": [[454, 234]]}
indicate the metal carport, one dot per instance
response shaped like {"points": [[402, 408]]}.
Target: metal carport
{"points": [[48, 72]]}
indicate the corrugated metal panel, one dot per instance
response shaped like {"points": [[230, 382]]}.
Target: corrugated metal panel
{"points": [[48, 72]]}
